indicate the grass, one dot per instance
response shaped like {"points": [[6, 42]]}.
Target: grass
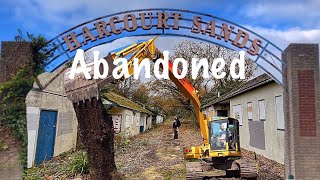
{"points": [[78, 164], [168, 175], [68, 165]]}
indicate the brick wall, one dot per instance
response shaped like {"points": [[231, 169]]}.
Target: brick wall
{"points": [[307, 106], [13, 56], [302, 111]]}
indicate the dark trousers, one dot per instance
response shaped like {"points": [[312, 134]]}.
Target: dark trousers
{"points": [[175, 132]]}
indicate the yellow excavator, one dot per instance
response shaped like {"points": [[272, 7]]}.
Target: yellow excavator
{"points": [[220, 149]]}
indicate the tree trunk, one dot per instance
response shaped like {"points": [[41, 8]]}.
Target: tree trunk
{"points": [[97, 135]]}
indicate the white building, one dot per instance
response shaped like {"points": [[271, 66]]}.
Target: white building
{"points": [[51, 120], [127, 116], [258, 105]]}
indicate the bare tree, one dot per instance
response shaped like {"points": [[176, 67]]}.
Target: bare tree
{"points": [[190, 49]]}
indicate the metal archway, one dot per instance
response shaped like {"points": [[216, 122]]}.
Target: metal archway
{"points": [[267, 58]]}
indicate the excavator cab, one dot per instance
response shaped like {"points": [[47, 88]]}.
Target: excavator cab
{"points": [[223, 140], [224, 137], [221, 155]]}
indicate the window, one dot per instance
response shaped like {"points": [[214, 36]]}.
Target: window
{"points": [[128, 120], [218, 134], [279, 112], [262, 110], [237, 113], [249, 109], [137, 116]]}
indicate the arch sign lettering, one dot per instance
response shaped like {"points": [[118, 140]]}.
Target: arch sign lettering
{"points": [[167, 22]]}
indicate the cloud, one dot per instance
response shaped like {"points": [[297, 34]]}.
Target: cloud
{"points": [[162, 43], [53, 17], [59, 15], [73, 12], [305, 13], [283, 38]]}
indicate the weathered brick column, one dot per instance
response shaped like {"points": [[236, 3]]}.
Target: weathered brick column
{"points": [[302, 111]]}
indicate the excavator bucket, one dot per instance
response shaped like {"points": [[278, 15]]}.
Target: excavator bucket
{"points": [[81, 89]]}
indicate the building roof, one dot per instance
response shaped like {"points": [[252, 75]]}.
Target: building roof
{"points": [[156, 110], [124, 102], [249, 85]]}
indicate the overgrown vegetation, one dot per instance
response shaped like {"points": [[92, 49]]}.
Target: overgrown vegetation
{"points": [[14, 91], [13, 108], [122, 140], [3, 145], [78, 164], [68, 165]]}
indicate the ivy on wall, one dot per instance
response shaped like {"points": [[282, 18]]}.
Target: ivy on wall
{"points": [[13, 108], [14, 91]]}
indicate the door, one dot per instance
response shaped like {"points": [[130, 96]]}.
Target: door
{"points": [[46, 136], [116, 123], [142, 119]]}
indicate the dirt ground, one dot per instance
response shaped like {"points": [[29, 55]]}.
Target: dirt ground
{"points": [[156, 155], [10, 165]]}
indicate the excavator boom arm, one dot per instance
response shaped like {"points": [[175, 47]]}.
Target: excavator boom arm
{"points": [[79, 89]]}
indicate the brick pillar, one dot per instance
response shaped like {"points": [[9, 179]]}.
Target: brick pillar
{"points": [[13, 56], [302, 111]]}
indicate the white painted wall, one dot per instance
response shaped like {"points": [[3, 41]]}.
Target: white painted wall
{"points": [[148, 121], [211, 111], [159, 119], [33, 114], [274, 138], [51, 98]]}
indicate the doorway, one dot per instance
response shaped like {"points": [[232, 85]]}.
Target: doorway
{"points": [[46, 136]]}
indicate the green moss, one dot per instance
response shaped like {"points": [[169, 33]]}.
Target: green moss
{"points": [[124, 102]]}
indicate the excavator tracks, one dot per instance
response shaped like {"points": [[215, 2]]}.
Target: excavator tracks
{"points": [[248, 169], [203, 170]]}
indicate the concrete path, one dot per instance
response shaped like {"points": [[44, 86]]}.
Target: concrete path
{"points": [[10, 166]]}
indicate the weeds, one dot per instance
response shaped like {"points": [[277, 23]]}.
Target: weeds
{"points": [[67, 166], [3, 145], [78, 164], [124, 139]]}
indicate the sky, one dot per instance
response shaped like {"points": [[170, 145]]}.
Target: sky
{"points": [[280, 21]]}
